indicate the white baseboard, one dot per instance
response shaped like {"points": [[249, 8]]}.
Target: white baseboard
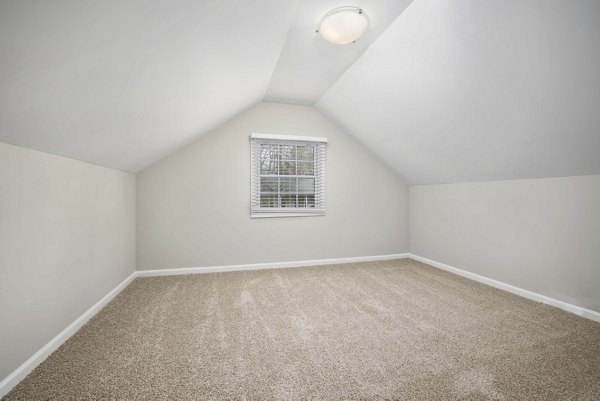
{"points": [[19, 374], [259, 266], [534, 296]]}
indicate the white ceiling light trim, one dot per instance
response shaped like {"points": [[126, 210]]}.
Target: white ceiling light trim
{"points": [[343, 25]]}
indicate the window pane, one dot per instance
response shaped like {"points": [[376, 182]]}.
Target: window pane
{"points": [[269, 184], [306, 153], [288, 200], [268, 166], [306, 201], [287, 167], [306, 185], [287, 152], [268, 158], [305, 168], [269, 200], [268, 151], [287, 184]]}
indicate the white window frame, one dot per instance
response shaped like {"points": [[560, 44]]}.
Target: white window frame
{"points": [[260, 212]]}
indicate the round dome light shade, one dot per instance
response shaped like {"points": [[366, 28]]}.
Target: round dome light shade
{"points": [[343, 25]]}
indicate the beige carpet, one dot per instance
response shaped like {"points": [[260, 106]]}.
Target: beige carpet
{"points": [[382, 330]]}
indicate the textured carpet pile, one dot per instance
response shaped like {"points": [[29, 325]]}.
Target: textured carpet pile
{"points": [[380, 330]]}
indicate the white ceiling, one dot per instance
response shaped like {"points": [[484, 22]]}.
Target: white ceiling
{"points": [[476, 90], [444, 91], [309, 65], [124, 83]]}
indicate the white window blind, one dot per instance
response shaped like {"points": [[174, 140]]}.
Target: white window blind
{"points": [[288, 175]]}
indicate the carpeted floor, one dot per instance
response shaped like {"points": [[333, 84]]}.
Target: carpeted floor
{"points": [[393, 330]]}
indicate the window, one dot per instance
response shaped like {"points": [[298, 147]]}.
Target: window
{"points": [[288, 175]]}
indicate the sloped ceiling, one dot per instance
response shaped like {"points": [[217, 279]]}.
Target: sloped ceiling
{"points": [[443, 91], [476, 90], [309, 65], [124, 83]]}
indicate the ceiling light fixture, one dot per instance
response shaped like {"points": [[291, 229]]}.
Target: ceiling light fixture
{"points": [[343, 25]]}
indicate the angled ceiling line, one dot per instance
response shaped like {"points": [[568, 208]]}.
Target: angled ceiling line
{"points": [[309, 65], [281, 49]]}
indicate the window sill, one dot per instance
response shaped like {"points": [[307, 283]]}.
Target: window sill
{"points": [[262, 215]]}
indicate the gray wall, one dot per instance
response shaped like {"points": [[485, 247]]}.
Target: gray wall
{"points": [[67, 237], [542, 235], [193, 208]]}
